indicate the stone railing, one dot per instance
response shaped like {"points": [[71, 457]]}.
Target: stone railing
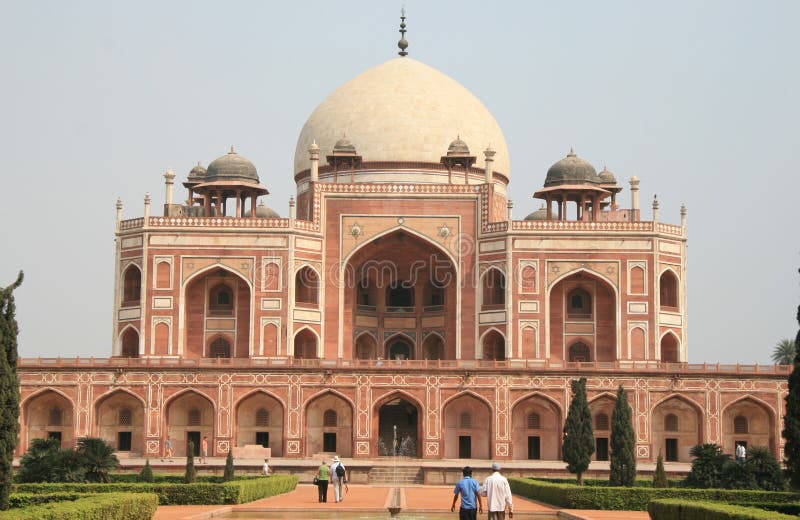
{"points": [[675, 370], [207, 222], [568, 225]]}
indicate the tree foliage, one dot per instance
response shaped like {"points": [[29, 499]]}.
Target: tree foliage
{"points": [[228, 475], [766, 470], [9, 388], [706, 466], [623, 443], [98, 459], [784, 352], [791, 420], [660, 476], [578, 445], [146, 475], [191, 473]]}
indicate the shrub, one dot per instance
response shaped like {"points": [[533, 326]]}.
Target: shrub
{"points": [[191, 472], [706, 466], [112, 506], [199, 493], [660, 476], [767, 471], [632, 498], [18, 500], [146, 475], [228, 475], [701, 510], [97, 458], [738, 475]]}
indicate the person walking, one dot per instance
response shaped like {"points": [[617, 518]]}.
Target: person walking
{"points": [[469, 489], [266, 469], [167, 449], [338, 472], [203, 449], [323, 475], [498, 495]]}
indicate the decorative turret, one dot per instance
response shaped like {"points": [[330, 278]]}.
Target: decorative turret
{"points": [[458, 155], [313, 156], [344, 156], [229, 176]]}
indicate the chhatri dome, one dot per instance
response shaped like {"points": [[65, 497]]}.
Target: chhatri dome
{"points": [[402, 110]]}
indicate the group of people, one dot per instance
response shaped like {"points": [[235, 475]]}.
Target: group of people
{"points": [[203, 449], [335, 472], [495, 489]]}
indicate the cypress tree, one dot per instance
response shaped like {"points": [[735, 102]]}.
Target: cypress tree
{"points": [[191, 472], [623, 440], [660, 476], [791, 421], [578, 445], [9, 388], [146, 475], [228, 475]]}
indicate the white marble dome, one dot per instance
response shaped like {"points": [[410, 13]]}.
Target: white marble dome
{"points": [[402, 110]]}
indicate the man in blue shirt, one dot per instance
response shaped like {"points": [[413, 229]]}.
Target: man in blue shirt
{"points": [[469, 489]]}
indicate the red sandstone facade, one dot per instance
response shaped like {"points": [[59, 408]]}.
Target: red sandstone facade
{"points": [[401, 293]]}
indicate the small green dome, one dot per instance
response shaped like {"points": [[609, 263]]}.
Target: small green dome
{"points": [[231, 167], [571, 170]]}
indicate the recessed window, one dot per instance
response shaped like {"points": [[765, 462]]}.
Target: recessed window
{"points": [[193, 417], [131, 286], [494, 287], [55, 418], [465, 420], [740, 424], [579, 352], [221, 300], [306, 286], [533, 421], [220, 348], [669, 289], [671, 422], [400, 295], [262, 417], [579, 304], [330, 419], [601, 422], [125, 417]]}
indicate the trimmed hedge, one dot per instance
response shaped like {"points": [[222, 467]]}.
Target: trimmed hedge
{"points": [[792, 508], [633, 498], [198, 493], [646, 482], [172, 478], [677, 509], [111, 506], [17, 500]]}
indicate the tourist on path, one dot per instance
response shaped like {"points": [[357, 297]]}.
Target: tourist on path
{"points": [[323, 475], [338, 472], [498, 494], [266, 469], [167, 449], [469, 489], [203, 450]]}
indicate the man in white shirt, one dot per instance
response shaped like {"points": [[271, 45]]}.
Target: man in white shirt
{"points": [[498, 495], [266, 469], [338, 477]]}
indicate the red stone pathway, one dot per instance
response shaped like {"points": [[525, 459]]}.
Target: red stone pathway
{"points": [[363, 497]]}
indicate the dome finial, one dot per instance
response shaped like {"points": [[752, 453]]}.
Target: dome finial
{"points": [[231, 150], [403, 43]]}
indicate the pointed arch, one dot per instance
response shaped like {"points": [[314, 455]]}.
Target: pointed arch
{"points": [[317, 340], [129, 436], [184, 391], [127, 348], [669, 288], [35, 416], [464, 439], [366, 243], [670, 347], [307, 284], [213, 267], [469, 393], [247, 410], [396, 338], [365, 345], [675, 445], [110, 393], [131, 285], [479, 351], [322, 437], [493, 287]]}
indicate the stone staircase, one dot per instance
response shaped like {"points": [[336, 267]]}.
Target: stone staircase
{"points": [[402, 475]]}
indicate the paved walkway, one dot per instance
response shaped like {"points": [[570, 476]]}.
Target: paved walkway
{"points": [[376, 498]]}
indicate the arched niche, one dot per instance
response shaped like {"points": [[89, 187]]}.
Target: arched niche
{"points": [[536, 425], [260, 420], [323, 435], [119, 418], [467, 428]]}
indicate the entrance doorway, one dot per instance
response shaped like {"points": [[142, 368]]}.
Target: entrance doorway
{"points": [[401, 415], [601, 448], [534, 447], [262, 439], [329, 442], [54, 435], [464, 447], [124, 441], [195, 438], [672, 450]]}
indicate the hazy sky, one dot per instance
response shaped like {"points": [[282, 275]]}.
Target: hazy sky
{"points": [[700, 100]]}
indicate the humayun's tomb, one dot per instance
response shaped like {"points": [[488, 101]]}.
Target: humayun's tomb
{"points": [[398, 291]]}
